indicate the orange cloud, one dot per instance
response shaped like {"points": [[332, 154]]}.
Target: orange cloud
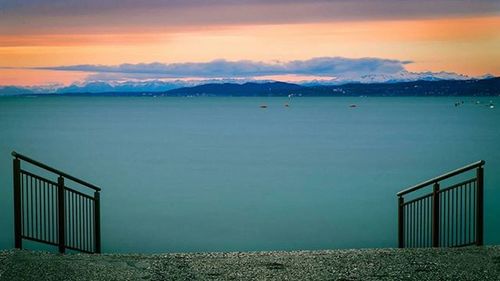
{"points": [[466, 45]]}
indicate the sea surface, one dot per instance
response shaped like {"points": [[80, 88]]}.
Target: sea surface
{"points": [[223, 174]]}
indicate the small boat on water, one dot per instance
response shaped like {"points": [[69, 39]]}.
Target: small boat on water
{"points": [[287, 105], [263, 106], [353, 105]]}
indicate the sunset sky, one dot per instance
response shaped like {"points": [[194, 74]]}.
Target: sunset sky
{"points": [[67, 41]]}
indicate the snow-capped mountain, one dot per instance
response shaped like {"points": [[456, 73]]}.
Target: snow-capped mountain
{"points": [[162, 86], [402, 76]]}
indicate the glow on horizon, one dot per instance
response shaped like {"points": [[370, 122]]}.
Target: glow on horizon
{"points": [[467, 45]]}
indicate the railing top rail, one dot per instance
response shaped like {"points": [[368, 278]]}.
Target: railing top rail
{"points": [[442, 177], [55, 171]]}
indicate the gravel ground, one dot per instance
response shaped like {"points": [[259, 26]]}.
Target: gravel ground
{"points": [[472, 263]]}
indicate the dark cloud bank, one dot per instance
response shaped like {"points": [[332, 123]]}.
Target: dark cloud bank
{"points": [[39, 16]]}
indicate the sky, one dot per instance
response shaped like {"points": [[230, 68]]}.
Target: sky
{"points": [[61, 42]]}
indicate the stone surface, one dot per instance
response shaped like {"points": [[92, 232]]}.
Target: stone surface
{"points": [[471, 263]]}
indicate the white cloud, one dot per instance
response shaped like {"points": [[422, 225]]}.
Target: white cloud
{"points": [[328, 67]]}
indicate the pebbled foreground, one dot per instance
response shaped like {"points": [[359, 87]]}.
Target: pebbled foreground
{"points": [[471, 263]]}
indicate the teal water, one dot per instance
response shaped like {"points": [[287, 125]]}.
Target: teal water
{"points": [[222, 174]]}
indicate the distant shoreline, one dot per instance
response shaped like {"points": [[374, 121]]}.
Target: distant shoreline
{"points": [[489, 87]]}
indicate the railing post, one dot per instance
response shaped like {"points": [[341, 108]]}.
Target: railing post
{"points": [[480, 207], [401, 242], [435, 215], [97, 221], [61, 215], [17, 203]]}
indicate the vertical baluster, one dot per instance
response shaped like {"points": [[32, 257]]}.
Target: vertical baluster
{"points": [[70, 218], [25, 205], [414, 219], [61, 214], [452, 215], [444, 216], [435, 215], [459, 216], [21, 204], [427, 221], [73, 210], [400, 222], [45, 211], [32, 218], [464, 214], [407, 223], [456, 217], [480, 208], [40, 207], [410, 226], [37, 208], [54, 213], [32, 207], [415, 215], [470, 209], [40, 215], [85, 230], [87, 242], [82, 224], [91, 223], [442, 219], [475, 210], [76, 220], [16, 170], [97, 221], [79, 220], [89, 214], [448, 219], [420, 233], [408, 220], [424, 218], [49, 211]]}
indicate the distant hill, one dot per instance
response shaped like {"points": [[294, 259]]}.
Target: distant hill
{"points": [[483, 87], [472, 87], [242, 90], [12, 90]]}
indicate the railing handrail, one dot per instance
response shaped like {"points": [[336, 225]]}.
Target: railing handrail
{"points": [[55, 171], [442, 177]]}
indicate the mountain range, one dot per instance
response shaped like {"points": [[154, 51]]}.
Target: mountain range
{"points": [[469, 87]]}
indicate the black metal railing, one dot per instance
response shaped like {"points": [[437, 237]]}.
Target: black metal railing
{"points": [[444, 217], [50, 212]]}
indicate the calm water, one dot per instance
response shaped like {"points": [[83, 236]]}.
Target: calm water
{"points": [[221, 174]]}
